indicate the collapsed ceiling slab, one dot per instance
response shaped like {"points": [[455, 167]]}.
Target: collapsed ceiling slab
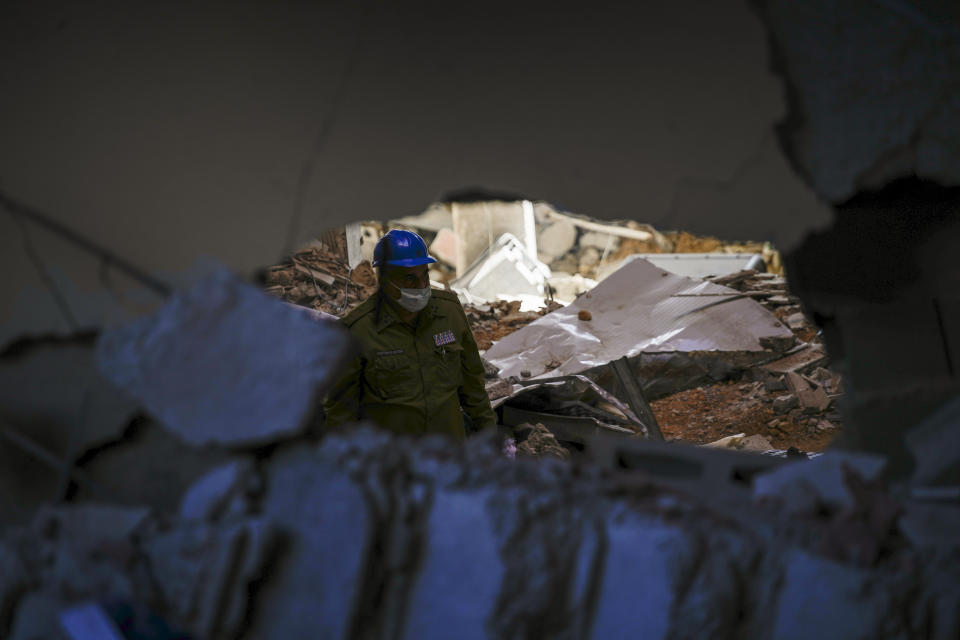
{"points": [[639, 309]]}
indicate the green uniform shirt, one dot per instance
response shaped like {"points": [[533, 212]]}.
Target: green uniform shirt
{"points": [[412, 379]]}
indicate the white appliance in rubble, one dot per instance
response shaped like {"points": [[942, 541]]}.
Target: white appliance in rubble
{"points": [[504, 270]]}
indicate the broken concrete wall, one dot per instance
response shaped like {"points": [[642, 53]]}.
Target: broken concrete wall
{"points": [[873, 126], [370, 535]]}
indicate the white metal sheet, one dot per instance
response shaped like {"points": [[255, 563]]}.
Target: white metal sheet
{"points": [[638, 309]]}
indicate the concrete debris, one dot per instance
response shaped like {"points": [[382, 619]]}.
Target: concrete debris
{"points": [[204, 572], [219, 493], [783, 404], [444, 246], [806, 486], [935, 446], [148, 465], [457, 590], [556, 239], [51, 396], [914, 116], [536, 441], [505, 270], [490, 370], [477, 223], [223, 363], [742, 442], [667, 314], [490, 322], [329, 530], [365, 537], [796, 321], [318, 276], [843, 604]]}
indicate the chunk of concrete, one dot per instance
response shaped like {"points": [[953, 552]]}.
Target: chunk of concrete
{"points": [[87, 548], [461, 574], [783, 404], [931, 525], [37, 618], [935, 444], [14, 581], [823, 599], [313, 590], [796, 321], [598, 240], [822, 477], [151, 465], [212, 495], [225, 363], [870, 88], [444, 246], [51, 395], [556, 239], [638, 588], [204, 573]]}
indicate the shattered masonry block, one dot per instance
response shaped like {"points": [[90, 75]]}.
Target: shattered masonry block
{"points": [[825, 600], [313, 590], [935, 443], [216, 491], [444, 246], [461, 574], [556, 239], [822, 478], [205, 572], [225, 363], [638, 591], [37, 617]]}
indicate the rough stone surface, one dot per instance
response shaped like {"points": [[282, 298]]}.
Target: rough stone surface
{"points": [[638, 590], [37, 618], [372, 535], [205, 572], [823, 478], [456, 588], [14, 581], [598, 240], [150, 465], [825, 600], [783, 404], [52, 394], [212, 494], [935, 444], [872, 91], [444, 246], [312, 592], [225, 363], [556, 239]]}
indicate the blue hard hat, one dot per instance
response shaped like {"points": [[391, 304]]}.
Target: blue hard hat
{"points": [[401, 249]]}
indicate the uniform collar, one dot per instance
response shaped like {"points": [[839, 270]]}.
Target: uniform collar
{"points": [[388, 315]]}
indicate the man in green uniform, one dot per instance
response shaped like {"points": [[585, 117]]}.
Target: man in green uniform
{"points": [[418, 363]]}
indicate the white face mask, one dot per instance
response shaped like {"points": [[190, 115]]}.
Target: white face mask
{"points": [[413, 300]]}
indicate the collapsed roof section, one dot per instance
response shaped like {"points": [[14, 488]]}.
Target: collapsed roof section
{"points": [[639, 309]]}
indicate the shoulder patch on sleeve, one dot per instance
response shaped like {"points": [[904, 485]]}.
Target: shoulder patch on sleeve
{"points": [[448, 296], [359, 311]]}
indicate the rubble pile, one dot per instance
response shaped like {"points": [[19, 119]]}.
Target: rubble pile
{"points": [[319, 277], [370, 535], [490, 322], [281, 533], [772, 292], [792, 401]]}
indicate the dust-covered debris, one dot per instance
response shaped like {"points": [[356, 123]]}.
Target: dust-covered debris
{"points": [[536, 441], [318, 276], [224, 363]]}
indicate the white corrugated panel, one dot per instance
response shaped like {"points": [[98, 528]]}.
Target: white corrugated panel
{"points": [[638, 309]]}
